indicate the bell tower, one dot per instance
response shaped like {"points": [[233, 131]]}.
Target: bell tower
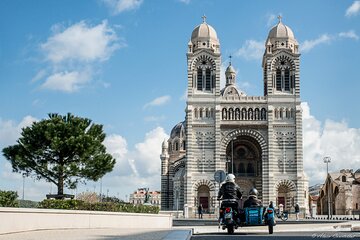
{"points": [[202, 114], [281, 69], [281, 62]]}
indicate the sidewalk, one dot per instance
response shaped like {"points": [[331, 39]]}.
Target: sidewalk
{"points": [[101, 234]]}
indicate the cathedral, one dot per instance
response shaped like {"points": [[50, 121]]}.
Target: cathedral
{"points": [[257, 138]]}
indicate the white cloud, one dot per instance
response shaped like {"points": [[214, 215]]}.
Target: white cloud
{"points": [[81, 42], [349, 34], [139, 167], [10, 130], [67, 81], [119, 6], [334, 139], [158, 101], [353, 10], [40, 75], [307, 45], [147, 153], [72, 55], [251, 50]]}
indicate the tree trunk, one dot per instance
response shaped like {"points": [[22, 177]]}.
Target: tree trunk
{"points": [[61, 184]]}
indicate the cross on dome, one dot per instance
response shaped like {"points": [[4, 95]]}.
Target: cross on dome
{"points": [[204, 18], [279, 17], [230, 59]]}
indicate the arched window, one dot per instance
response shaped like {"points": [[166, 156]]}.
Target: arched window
{"points": [[263, 114], [176, 146], [287, 113], [287, 79], [278, 79], [243, 114], [250, 114], [208, 79], [199, 79], [257, 114], [231, 114], [281, 113], [343, 178], [170, 147], [207, 113], [276, 111], [183, 145], [224, 114], [196, 113], [201, 113], [237, 114]]}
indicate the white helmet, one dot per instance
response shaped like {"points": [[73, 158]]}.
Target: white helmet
{"points": [[230, 177]]}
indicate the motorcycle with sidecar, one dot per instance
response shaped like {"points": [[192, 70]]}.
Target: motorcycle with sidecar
{"points": [[231, 217]]}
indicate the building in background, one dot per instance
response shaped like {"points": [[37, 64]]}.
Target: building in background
{"points": [[258, 138], [138, 197], [314, 194], [343, 191]]}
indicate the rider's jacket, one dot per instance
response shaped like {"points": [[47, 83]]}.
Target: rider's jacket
{"points": [[229, 190], [252, 201]]}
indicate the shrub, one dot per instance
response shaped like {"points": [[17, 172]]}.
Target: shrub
{"points": [[28, 204], [99, 206], [8, 199]]}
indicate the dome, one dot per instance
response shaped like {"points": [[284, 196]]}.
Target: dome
{"points": [[230, 69], [281, 31], [204, 36], [204, 32], [176, 131], [281, 37]]}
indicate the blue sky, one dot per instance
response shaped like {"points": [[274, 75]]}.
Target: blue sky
{"points": [[122, 63]]}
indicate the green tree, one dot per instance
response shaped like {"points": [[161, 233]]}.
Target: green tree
{"points": [[64, 150]]}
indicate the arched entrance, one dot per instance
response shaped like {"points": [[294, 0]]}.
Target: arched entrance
{"points": [[285, 193], [244, 160], [204, 197]]}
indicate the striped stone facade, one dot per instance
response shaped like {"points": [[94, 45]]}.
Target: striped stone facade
{"points": [[258, 138]]}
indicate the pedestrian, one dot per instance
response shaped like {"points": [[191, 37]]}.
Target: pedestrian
{"points": [[297, 211], [200, 211]]}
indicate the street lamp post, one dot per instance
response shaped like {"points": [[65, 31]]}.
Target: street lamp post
{"points": [[327, 160], [23, 190]]}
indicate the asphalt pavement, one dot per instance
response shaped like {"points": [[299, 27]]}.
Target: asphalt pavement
{"points": [[203, 230]]}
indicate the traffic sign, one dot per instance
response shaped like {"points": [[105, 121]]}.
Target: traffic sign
{"points": [[220, 176]]}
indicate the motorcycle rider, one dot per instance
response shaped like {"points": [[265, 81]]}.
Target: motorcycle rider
{"points": [[252, 200], [230, 190]]}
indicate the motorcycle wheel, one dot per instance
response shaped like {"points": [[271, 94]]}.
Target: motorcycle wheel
{"points": [[284, 218], [230, 229]]}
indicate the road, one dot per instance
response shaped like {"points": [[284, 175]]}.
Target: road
{"points": [[284, 230], [281, 235]]}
